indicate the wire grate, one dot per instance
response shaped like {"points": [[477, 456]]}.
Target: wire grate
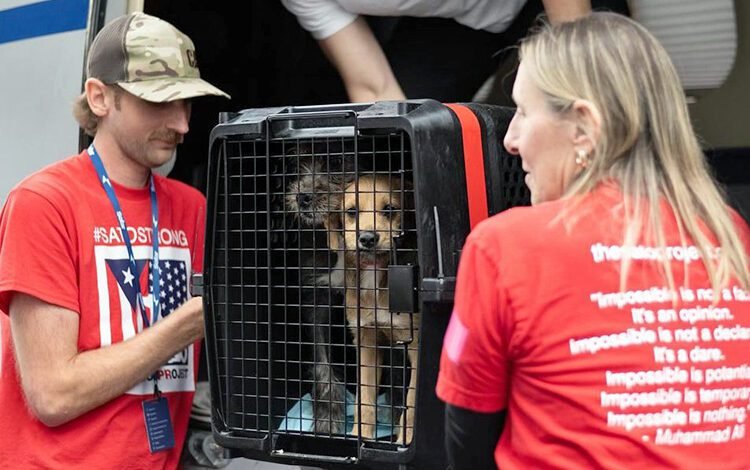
{"points": [[514, 190], [306, 233]]}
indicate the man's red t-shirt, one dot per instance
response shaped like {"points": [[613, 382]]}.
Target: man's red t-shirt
{"points": [[592, 376], [60, 242]]}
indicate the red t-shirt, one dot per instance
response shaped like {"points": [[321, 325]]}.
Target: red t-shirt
{"points": [[591, 376], [60, 242]]}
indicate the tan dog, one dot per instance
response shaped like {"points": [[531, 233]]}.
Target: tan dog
{"points": [[371, 217]]}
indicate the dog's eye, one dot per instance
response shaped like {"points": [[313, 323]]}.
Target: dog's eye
{"points": [[351, 212], [390, 210]]}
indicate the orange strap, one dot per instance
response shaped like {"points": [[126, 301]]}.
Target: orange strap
{"points": [[476, 187]]}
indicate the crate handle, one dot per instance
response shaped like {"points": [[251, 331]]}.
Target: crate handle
{"points": [[340, 114], [314, 457], [283, 122]]}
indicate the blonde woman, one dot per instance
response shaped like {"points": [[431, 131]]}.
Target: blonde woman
{"points": [[608, 325]]}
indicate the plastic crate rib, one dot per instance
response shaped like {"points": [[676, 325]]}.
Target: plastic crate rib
{"points": [[332, 244]]}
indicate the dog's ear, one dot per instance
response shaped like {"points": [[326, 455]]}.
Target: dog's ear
{"points": [[346, 177], [299, 158], [309, 165], [333, 222], [347, 168], [333, 225]]}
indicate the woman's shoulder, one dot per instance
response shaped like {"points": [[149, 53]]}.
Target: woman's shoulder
{"points": [[549, 225], [522, 220], [514, 230]]}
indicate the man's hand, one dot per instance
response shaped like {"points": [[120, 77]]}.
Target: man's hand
{"points": [[61, 383], [193, 311]]}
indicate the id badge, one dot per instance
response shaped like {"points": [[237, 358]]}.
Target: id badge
{"points": [[158, 424]]}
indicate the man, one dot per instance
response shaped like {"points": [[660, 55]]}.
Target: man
{"points": [[100, 341]]}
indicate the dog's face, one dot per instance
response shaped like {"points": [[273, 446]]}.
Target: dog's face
{"points": [[313, 195], [371, 217]]}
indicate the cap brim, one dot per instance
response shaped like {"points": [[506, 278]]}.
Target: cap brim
{"points": [[162, 90]]}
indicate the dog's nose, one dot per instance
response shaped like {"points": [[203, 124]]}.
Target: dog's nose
{"points": [[304, 199], [368, 240]]}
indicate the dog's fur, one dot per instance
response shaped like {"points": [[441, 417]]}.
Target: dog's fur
{"points": [[315, 192], [329, 335], [371, 216], [315, 196], [328, 330], [312, 197], [318, 198]]}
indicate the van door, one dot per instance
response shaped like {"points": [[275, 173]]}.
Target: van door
{"points": [[42, 49]]}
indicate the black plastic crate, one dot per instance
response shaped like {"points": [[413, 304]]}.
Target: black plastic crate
{"points": [[288, 189]]}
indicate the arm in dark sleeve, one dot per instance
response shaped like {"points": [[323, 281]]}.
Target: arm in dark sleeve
{"points": [[471, 437]]}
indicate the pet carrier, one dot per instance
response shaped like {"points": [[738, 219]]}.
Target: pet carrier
{"points": [[333, 238]]}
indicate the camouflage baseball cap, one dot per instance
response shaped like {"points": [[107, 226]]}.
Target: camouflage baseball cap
{"points": [[149, 58]]}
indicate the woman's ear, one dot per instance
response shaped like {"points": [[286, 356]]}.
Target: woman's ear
{"points": [[588, 121], [97, 96]]}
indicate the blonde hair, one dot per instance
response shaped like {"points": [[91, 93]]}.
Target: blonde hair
{"points": [[87, 120], [646, 142]]}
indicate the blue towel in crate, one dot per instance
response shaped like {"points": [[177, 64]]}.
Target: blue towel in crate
{"points": [[300, 417]]}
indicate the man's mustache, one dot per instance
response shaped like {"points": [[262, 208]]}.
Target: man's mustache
{"points": [[168, 136]]}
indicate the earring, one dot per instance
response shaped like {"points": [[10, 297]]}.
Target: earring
{"points": [[582, 158]]}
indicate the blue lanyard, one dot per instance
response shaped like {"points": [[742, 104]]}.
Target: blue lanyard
{"points": [[155, 270]]}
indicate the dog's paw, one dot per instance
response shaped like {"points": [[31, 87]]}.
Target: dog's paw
{"points": [[327, 426], [368, 431], [355, 429], [405, 439]]}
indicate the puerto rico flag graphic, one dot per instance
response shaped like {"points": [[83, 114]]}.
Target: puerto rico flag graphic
{"points": [[119, 318]]}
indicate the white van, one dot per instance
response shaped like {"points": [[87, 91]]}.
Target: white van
{"points": [[42, 47]]}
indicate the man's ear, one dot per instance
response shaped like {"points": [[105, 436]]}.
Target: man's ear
{"points": [[588, 122], [98, 95]]}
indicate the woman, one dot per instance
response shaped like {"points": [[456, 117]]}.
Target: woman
{"points": [[607, 325]]}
